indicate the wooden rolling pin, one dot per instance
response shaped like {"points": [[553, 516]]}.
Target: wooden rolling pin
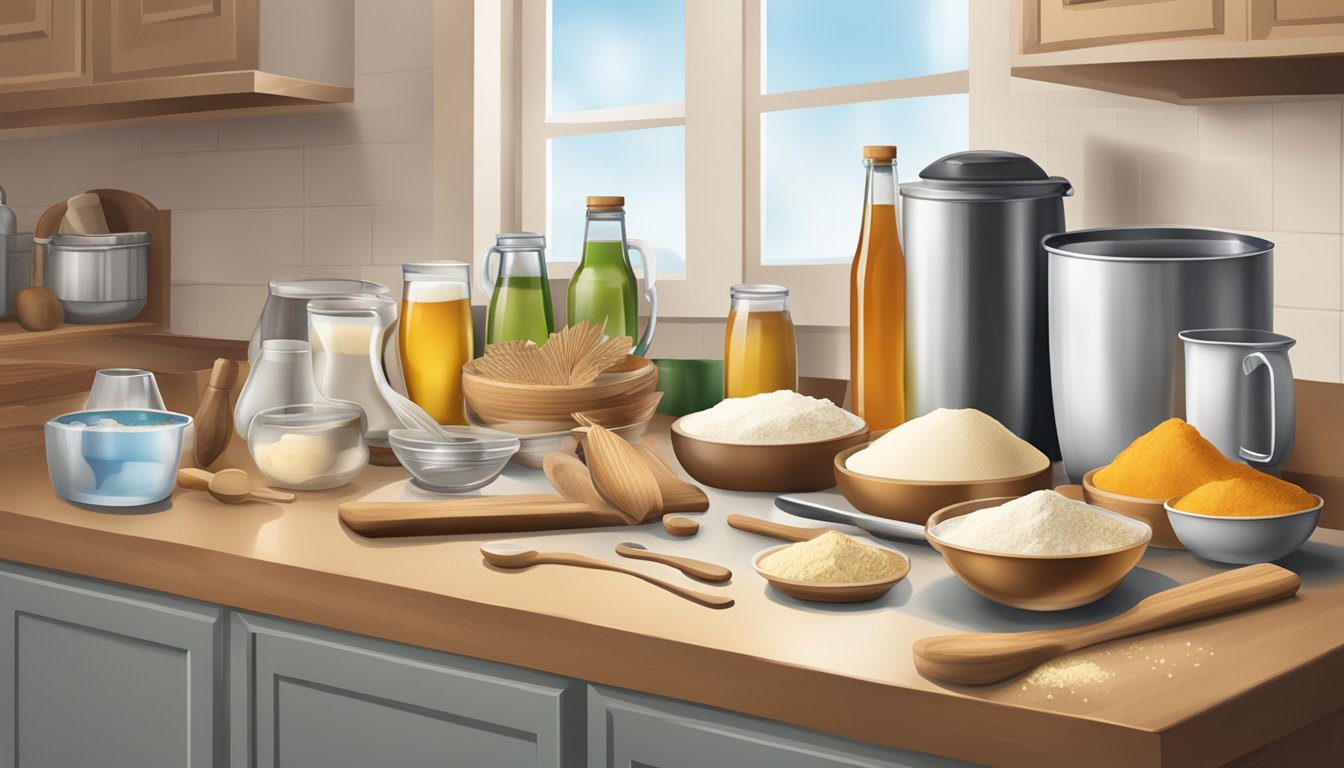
{"points": [[978, 658], [479, 514]]}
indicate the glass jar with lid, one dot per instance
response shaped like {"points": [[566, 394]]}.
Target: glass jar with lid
{"points": [[760, 345]]}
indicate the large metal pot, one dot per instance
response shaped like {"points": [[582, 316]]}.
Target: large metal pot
{"points": [[975, 319], [99, 278], [1118, 299]]}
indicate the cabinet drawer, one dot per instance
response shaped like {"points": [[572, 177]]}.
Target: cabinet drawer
{"points": [[1058, 25], [42, 44], [97, 674], [152, 38], [1296, 18], [331, 699], [627, 730]]}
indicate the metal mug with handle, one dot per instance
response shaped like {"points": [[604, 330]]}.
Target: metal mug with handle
{"points": [[1248, 414]]}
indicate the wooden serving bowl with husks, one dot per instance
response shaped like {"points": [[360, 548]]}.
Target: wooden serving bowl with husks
{"points": [[626, 384]]}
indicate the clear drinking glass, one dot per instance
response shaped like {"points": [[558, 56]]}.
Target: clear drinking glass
{"points": [[285, 315], [435, 336], [116, 389], [341, 332], [281, 375], [761, 348]]}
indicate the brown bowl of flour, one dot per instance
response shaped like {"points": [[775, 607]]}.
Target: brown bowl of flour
{"points": [[777, 468]]}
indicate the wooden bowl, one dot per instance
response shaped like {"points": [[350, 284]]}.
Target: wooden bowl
{"points": [[834, 593], [913, 501], [778, 468], [1150, 511], [1037, 582], [497, 401]]}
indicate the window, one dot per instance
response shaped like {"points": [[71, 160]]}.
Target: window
{"points": [[734, 129]]}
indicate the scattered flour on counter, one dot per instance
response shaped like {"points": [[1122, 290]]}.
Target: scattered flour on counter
{"points": [[1040, 523], [1068, 672], [771, 418]]}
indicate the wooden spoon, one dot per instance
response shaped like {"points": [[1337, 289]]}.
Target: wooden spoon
{"points": [[977, 658], [773, 529], [571, 478], [678, 495], [231, 486], [621, 475], [504, 554], [38, 308], [696, 569]]}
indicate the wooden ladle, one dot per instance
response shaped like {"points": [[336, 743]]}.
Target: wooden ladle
{"points": [[505, 554], [38, 308], [978, 658], [231, 486]]}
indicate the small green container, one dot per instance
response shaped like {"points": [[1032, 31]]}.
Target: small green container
{"points": [[689, 385]]}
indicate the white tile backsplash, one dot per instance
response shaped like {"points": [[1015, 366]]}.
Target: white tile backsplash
{"points": [[180, 137], [369, 174], [1307, 166], [1306, 270], [1237, 131], [1235, 193], [1317, 354], [337, 236]]}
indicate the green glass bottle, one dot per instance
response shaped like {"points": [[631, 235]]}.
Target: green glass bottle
{"points": [[520, 295], [603, 289]]}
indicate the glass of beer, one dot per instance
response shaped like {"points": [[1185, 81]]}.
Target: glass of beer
{"points": [[760, 346], [435, 336]]}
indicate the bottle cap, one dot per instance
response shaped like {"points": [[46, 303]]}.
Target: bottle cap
{"points": [[606, 202], [879, 152]]}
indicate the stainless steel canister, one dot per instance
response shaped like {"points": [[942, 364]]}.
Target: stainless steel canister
{"points": [[99, 278], [975, 318], [1119, 297]]}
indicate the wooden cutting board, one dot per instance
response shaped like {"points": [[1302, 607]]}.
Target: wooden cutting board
{"points": [[476, 514]]}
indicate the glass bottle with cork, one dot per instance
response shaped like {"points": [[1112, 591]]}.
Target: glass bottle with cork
{"points": [[602, 289], [760, 345], [877, 300]]}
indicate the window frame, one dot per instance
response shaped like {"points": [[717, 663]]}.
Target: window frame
{"points": [[722, 115]]}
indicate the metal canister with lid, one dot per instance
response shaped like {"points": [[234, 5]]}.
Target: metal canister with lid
{"points": [[976, 333]]}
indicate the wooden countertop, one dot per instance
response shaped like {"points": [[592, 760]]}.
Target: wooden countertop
{"points": [[1197, 695]]}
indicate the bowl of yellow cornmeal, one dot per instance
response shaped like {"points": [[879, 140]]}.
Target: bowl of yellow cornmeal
{"points": [[832, 568]]}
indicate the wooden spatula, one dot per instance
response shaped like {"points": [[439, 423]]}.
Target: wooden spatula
{"points": [[978, 658]]}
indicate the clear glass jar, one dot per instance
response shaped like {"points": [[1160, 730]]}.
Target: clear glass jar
{"points": [[281, 375], [520, 293], [344, 333], [308, 447], [435, 336], [760, 345], [285, 315]]}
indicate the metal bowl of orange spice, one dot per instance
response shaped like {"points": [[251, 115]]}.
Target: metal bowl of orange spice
{"points": [[1253, 518]]}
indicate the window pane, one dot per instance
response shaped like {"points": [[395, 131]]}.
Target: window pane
{"points": [[647, 166], [606, 54], [812, 168], [824, 43]]}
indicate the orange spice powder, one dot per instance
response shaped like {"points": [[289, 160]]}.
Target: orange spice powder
{"points": [[1254, 495], [1170, 460]]}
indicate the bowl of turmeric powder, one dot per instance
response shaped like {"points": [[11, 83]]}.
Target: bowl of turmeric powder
{"points": [[1253, 518]]}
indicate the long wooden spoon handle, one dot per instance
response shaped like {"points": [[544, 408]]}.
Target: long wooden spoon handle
{"points": [[773, 529], [698, 569], [583, 561], [271, 494], [194, 479], [1226, 592]]}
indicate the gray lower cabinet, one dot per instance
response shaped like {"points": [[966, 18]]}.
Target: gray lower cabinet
{"points": [[92, 674], [316, 698], [628, 730]]}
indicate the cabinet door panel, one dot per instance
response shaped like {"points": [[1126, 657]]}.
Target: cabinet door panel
{"points": [[148, 38], [41, 44], [325, 698], [635, 731], [1055, 25], [102, 675], [1296, 18]]}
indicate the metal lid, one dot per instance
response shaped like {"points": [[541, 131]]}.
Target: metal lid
{"points": [[70, 242], [742, 291], [324, 287], [986, 175], [531, 240], [1129, 244]]}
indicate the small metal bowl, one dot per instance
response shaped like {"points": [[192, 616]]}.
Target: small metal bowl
{"points": [[1243, 540], [767, 468], [834, 593], [1037, 582], [472, 459], [913, 500]]}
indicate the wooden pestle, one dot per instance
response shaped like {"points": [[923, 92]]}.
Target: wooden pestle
{"points": [[214, 417]]}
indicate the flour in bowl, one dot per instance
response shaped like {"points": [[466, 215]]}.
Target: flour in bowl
{"points": [[771, 418], [1040, 523]]}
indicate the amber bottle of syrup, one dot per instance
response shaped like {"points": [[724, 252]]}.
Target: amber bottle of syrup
{"points": [[877, 301]]}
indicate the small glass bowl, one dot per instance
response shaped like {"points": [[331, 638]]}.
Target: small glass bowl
{"points": [[308, 447], [472, 458], [115, 458]]}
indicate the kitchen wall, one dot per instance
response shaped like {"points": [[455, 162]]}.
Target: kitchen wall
{"points": [[345, 192]]}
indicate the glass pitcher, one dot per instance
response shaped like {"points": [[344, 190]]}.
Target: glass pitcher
{"points": [[285, 315], [760, 344], [603, 287], [435, 336], [341, 331], [520, 294]]}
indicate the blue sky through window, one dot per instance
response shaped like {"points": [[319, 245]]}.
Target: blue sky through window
{"points": [[812, 168], [825, 43], [609, 53]]}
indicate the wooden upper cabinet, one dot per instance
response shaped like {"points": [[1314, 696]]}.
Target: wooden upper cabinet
{"points": [[1273, 19], [146, 38], [1060, 25], [42, 44]]}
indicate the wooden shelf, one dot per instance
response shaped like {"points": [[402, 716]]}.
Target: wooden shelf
{"points": [[174, 95], [14, 335]]}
